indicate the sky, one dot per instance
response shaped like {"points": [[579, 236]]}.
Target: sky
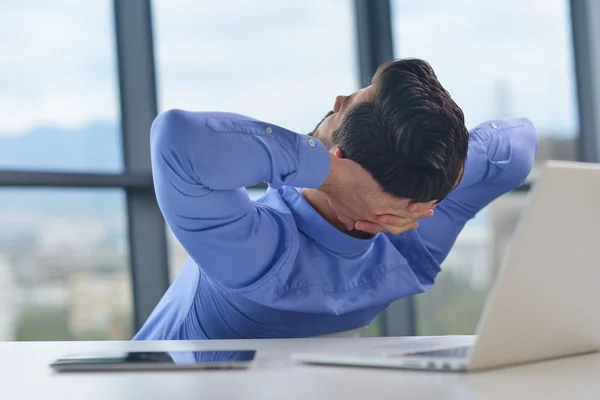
{"points": [[282, 61], [58, 64]]}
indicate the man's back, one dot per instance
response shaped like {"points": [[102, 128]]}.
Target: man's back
{"points": [[329, 282], [276, 267]]}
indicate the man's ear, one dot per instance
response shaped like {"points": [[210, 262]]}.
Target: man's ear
{"points": [[339, 153]]}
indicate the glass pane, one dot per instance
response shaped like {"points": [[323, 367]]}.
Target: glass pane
{"points": [[279, 61], [282, 62], [496, 58], [59, 99], [63, 265]]}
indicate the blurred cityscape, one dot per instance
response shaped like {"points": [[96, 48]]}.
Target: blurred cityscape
{"points": [[64, 263]]}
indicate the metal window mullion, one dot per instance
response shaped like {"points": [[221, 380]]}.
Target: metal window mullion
{"points": [[374, 36], [147, 233], [585, 28], [32, 178]]}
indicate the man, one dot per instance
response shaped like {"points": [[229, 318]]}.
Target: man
{"points": [[335, 239]]}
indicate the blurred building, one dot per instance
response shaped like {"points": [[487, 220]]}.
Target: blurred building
{"points": [[556, 148], [7, 304], [98, 304], [469, 259]]}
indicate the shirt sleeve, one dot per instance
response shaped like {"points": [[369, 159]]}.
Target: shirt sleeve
{"points": [[201, 163], [500, 157]]}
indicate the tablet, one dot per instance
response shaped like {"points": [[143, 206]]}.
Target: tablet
{"points": [[156, 360]]}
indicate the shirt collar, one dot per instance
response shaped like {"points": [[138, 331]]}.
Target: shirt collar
{"points": [[310, 222]]}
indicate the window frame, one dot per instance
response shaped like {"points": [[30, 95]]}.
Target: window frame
{"points": [[138, 104]]}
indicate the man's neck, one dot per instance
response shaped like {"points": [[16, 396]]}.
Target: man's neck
{"points": [[318, 200]]}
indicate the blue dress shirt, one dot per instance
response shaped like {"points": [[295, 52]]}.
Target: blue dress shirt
{"points": [[275, 268]]}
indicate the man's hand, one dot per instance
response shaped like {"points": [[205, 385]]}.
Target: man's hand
{"points": [[355, 196], [393, 224]]}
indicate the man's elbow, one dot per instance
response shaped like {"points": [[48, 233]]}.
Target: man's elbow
{"points": [[524, 144], [165, 127]]}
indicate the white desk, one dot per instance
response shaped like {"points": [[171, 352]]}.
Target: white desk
{"points": [[24, 374]]}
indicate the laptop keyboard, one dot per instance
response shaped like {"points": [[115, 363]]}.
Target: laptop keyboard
{"points": [[454, 352]]}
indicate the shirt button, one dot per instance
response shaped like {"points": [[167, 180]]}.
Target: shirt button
{"points": [[269, 129], [494, 126], [311, 143]]}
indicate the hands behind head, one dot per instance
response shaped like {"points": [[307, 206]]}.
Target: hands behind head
{"points": [[360, 203], [392, 223]]}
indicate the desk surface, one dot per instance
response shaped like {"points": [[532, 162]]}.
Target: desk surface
{"points": [[24, 374]]}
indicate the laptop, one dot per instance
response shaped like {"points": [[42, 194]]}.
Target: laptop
{"points": [[544, 302]]}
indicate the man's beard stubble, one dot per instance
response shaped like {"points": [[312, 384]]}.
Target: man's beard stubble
{"points": [[319, 124], [327, 141]]}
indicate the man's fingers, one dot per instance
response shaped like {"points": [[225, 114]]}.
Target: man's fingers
{"points": [[369, 227], [348, 223], [372, 228], [396, 206], [406, 208], [399, 230], [421, 207], [393, 220]]}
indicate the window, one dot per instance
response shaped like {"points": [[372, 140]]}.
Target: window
{"points": [[63, 265], [497, 58], [58, 103], [282, 62], [63, 252]]}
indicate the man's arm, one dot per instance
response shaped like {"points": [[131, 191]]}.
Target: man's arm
{"points": [[201, 163], [500, 157]]}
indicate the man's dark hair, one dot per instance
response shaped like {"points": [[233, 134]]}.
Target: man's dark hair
{"points": [[411, 136]]}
